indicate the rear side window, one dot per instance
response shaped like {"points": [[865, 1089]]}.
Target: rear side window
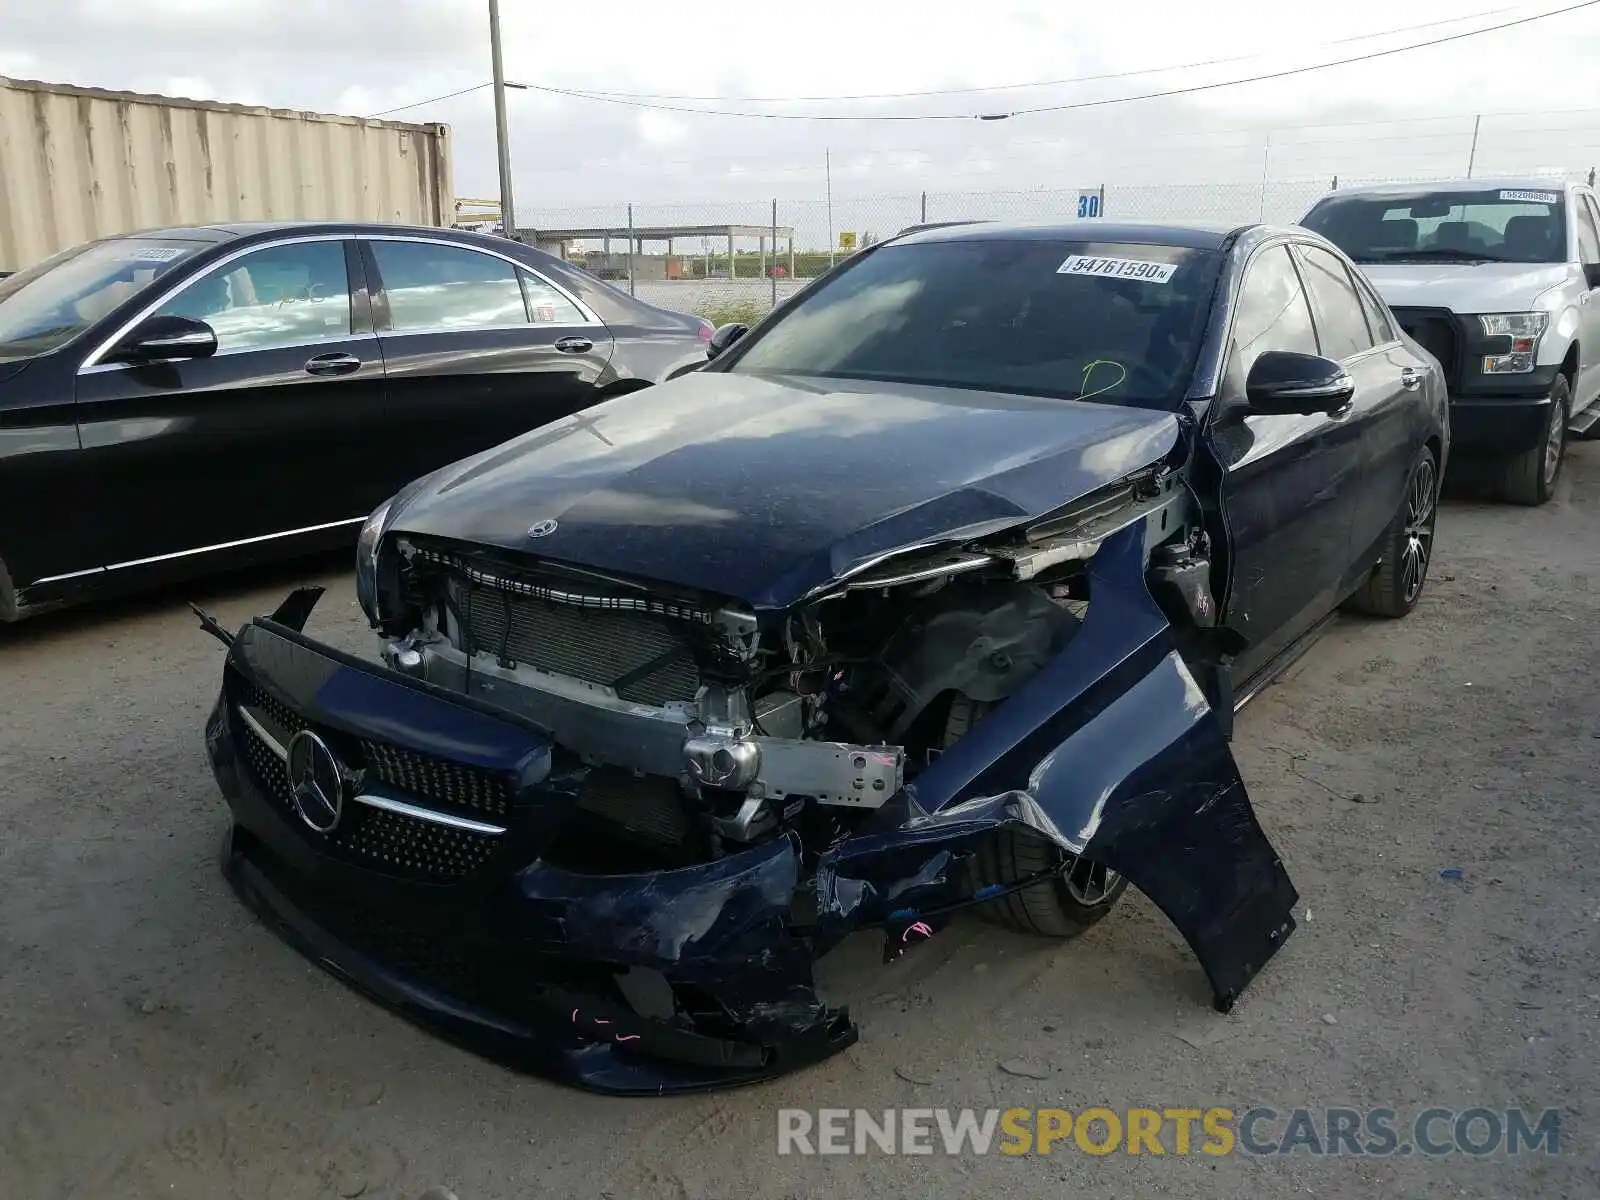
{"points": [[1272, 312], [278, 296], [546, 305], [1341, 323], [1377, 315], [435, 287]]}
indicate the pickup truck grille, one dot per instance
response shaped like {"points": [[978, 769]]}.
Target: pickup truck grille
{"points": [[1436, 330]]}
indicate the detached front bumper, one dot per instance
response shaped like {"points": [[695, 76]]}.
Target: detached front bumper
{"points": [[663, 982], [427, 884]]}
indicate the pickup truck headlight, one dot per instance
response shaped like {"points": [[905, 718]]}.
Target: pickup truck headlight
{"points": [[1524, 329], [367, 559]]}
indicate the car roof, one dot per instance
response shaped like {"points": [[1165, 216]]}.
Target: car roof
{"points": [[224, 231], [1528, 183], [1195, 235]]}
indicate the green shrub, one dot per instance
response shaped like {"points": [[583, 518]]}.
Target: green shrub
{"points": [[745, 312]]}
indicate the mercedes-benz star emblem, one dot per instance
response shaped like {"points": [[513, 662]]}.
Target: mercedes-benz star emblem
{"points": [[316, 780], [542, 528]]}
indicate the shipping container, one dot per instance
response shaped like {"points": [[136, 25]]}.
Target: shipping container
{"points": [[82, 163]]}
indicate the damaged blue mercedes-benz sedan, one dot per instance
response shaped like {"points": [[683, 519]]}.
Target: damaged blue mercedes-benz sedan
{"points": [[937, 590]]}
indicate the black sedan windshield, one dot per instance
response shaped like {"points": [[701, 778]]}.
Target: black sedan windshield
{"points": [[1520, 225], [48, 305], [1112, 322]]}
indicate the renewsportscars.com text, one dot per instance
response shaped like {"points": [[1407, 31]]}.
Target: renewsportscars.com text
{"points": [[1216, 1131]]}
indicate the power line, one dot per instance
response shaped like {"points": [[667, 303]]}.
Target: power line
{"points": [[434, 100], [599, 93], [1190, 89], [1042, 83]]}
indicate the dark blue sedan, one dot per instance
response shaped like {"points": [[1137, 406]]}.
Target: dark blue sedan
{"points": [[936, 590]]}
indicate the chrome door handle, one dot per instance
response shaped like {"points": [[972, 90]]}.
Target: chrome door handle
{"points": [[1410, 377], [574, 345], [333, 364]]}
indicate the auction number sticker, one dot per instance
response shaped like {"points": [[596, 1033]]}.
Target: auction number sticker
{"points": [[1531, 197], [1118, 268], [154, 253]]}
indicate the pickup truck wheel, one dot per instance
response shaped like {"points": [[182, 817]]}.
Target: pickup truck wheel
{"points": [[1396, 585], [1530, 477], [1062, 907]]}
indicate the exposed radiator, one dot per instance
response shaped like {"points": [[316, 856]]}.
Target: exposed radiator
{"points": [[647, 659]]}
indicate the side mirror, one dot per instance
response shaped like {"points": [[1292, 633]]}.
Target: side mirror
{"points": [[724, 336], [1591, 274], [1282, 381], [157, 338]]}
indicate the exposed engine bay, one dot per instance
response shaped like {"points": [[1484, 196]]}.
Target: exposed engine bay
{"points": [[707, 728], [603, 828]]}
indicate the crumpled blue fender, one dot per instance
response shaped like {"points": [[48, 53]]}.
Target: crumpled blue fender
{"points": [[1112, 751]]}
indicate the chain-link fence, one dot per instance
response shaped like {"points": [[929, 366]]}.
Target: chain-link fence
{"points": [[734, 260]]}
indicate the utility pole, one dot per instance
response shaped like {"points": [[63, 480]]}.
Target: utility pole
{"points": [[827, 165], [1472, 155], [508, 208]]}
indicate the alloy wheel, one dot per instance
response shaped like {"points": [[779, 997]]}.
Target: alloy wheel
{"points": [[1554, 443], [1089, 882], [1422, 503]]}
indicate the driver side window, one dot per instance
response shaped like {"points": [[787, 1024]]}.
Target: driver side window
{"points": [[1272, 312], [276, 296]]}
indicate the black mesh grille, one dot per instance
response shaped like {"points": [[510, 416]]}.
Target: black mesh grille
{"points": [[387, 841], [473, 791], [646, 658], [398, 844]]}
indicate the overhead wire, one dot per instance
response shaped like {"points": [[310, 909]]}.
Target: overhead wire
{"points": [[645, 99], [1071, 106]]}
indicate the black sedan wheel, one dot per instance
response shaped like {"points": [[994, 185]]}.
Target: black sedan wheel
{"points": [[1396, 584], [1061, 906]]}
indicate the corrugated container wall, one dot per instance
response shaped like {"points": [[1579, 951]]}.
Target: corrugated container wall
{"points": [[81, 163]]}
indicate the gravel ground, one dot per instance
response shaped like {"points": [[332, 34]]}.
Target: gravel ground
{"points": [[155, 1041]]}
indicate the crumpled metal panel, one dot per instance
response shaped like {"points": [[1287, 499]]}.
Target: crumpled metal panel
{"points": [[1112, 752], [83, 163]]}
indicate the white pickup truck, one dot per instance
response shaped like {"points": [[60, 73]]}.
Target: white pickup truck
{"points": [[1500, 281]]}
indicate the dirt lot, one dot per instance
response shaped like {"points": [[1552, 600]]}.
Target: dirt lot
{"points": [[155, 1041]]}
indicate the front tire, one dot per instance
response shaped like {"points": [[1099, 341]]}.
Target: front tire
{"points": [[1530, 477], [1060, 907], [1396, 585]]}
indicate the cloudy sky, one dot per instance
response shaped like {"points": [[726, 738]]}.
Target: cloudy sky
{"points": [[1537, 85]]}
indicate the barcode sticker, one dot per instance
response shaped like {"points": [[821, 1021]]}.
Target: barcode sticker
{"points": [[1531, 197]]}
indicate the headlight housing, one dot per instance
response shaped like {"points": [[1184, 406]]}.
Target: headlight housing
{"points": [[367, 560], [1524, 330]]}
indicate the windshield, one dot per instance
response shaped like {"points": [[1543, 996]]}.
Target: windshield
{"points": [[1111, 322], [1497, 225], [46, 306]]}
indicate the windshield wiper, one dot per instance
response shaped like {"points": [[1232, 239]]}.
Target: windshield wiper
{"points": [[1435, 253]]}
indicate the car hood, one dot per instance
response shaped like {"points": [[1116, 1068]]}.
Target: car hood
{"points": [[1465, 287], [764, 489], [12, 366]]}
